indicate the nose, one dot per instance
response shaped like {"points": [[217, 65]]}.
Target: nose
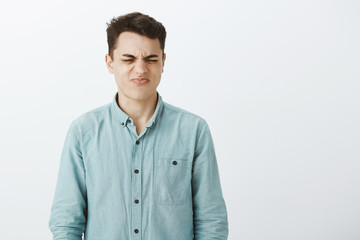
{"points": [[140, 67]]}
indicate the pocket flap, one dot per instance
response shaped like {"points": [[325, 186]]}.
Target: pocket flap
{"points": [[173, 162]]}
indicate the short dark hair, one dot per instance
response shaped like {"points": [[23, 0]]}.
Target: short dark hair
{"points": [[135, 22]]}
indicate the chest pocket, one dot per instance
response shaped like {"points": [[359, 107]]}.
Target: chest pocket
{"points": [[172, 180]]}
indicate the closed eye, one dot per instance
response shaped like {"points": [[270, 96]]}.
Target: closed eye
{"points": [[131, 60]]}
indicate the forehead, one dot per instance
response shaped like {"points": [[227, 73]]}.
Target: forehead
{"points": [[129, 42]]}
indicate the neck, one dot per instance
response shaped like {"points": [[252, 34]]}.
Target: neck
{"points": [[140, 111]]}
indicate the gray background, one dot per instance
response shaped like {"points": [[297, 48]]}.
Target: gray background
{"points": [[277, 81]]}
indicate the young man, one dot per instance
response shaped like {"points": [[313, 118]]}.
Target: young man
{"points": [[138, 168]]}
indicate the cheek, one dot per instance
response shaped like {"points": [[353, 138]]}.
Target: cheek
{"points": [[157, 69], [122, 71]]}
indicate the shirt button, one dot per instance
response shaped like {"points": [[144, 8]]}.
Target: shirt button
{"points": [[136, 201], [174, 162], [122, 123], [137, 142], [136, 171], [136, 231]]}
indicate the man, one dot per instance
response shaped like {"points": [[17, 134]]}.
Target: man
{"points": [[138, 168]]}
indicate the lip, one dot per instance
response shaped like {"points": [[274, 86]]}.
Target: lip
{"points": [[140, 81]]}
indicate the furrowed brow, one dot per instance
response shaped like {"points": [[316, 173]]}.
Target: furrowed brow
{"points": [[129, 55], [151, 56]]}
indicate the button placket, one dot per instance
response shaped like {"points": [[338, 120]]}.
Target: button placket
{"points": [[137, 188]]}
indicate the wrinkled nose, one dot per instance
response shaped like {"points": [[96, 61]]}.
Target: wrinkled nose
{"points": [[140, 67]]}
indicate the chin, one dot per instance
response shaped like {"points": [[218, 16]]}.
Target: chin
{"points": [[140, 95]]}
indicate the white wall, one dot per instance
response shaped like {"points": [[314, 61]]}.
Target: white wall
{"points": [[277, 81]]}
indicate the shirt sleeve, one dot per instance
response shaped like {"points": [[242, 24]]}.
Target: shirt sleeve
{"points": [[210, 215], [68, 211]]}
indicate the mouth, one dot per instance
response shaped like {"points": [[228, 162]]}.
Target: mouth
{"points": [[140, 81]]}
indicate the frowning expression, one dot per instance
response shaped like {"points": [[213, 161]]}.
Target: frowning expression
{"points": [[137, 65]]}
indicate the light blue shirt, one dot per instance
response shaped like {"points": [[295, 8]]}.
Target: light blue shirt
{"points": [[114, 184]]}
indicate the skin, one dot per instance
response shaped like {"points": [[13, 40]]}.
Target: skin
{"points": [[136, 56]]}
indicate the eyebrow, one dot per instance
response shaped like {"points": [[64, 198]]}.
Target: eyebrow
{"points": [[147, 57]]}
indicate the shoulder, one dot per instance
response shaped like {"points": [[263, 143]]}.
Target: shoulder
{"points": [[183, 118], [185, 115], [92, 118]]}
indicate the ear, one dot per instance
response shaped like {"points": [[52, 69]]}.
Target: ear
{"points": [[163, 62], [109, 63]]}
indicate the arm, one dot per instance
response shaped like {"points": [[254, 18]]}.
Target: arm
{"points": [[68, 212], [210, 215]]}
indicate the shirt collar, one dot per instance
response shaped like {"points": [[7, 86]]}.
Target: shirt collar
{"points": [[123, 117]]}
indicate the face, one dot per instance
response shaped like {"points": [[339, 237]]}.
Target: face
{"points": [[137, 65]]}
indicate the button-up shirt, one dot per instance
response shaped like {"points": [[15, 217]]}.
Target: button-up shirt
{"points": [[161, 184]]}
